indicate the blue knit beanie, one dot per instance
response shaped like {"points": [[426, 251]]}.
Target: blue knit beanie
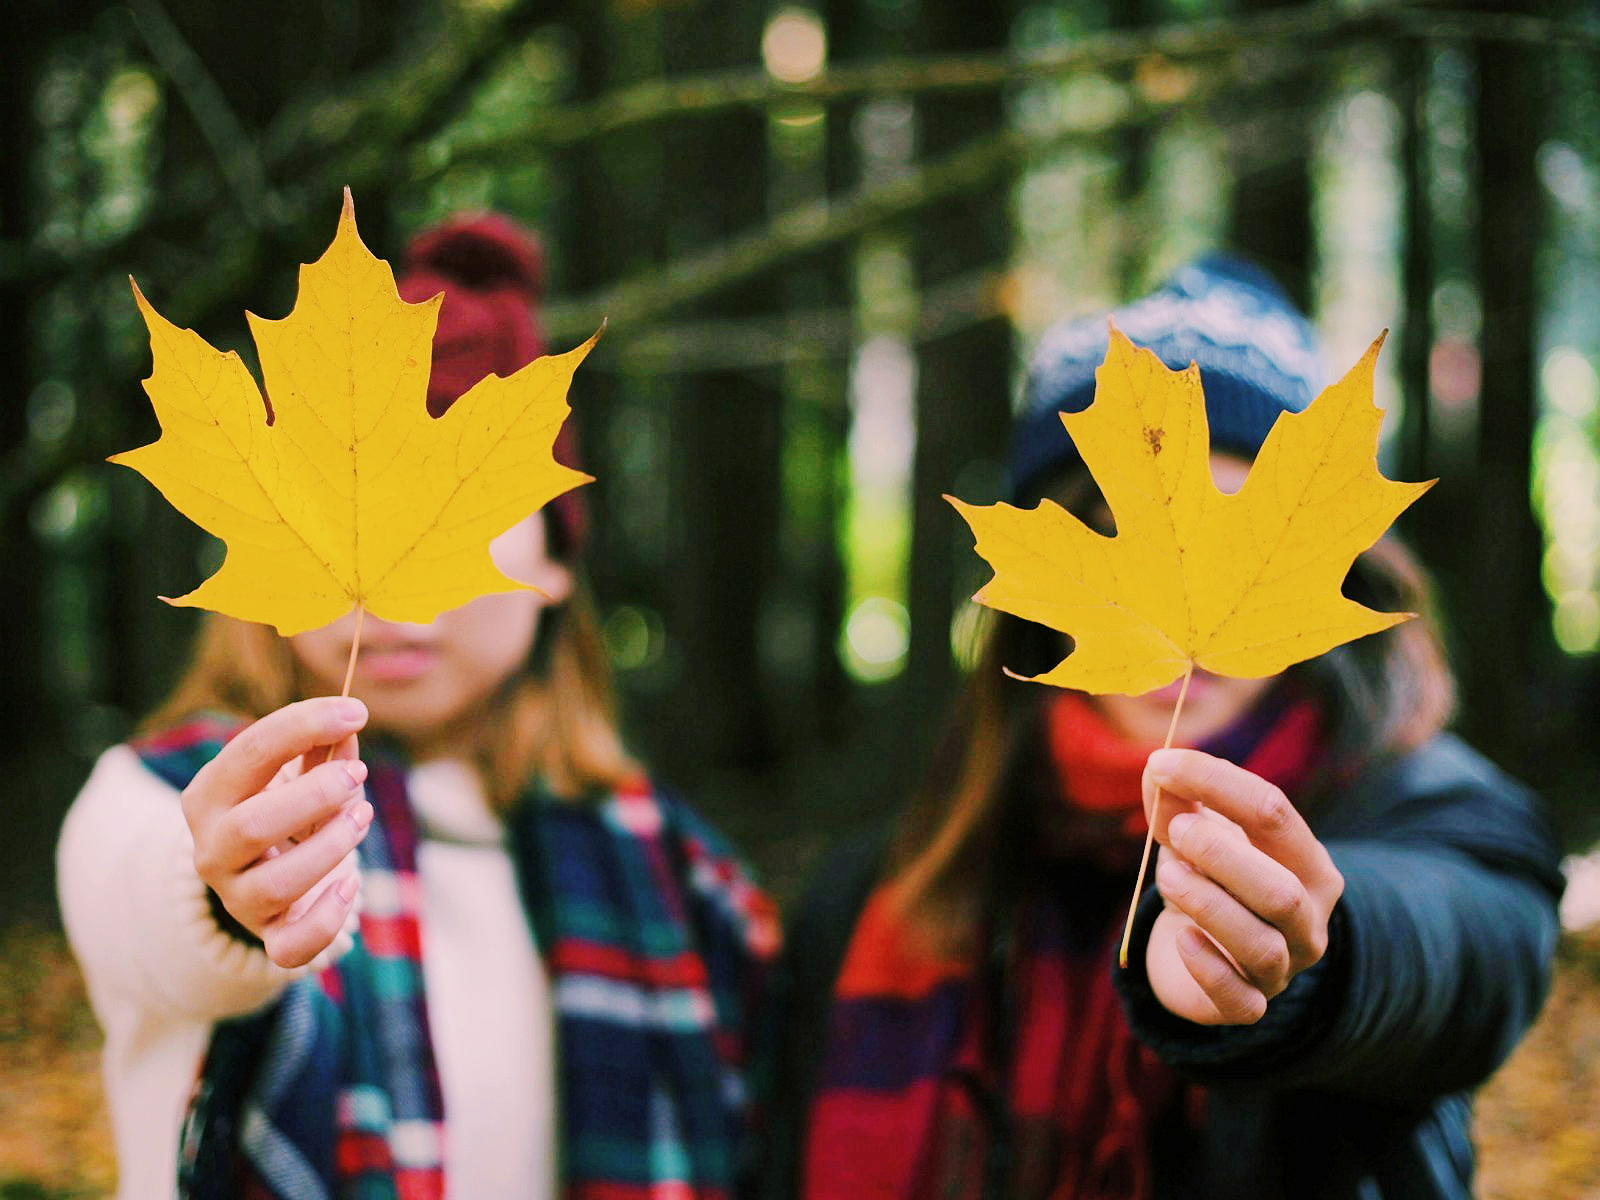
{"points": [[1257, 356]]}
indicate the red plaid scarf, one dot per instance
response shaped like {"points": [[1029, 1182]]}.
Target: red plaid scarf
{"points": [[909, 1101], [656, 941]]}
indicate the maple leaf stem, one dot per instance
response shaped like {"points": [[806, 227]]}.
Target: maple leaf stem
{"points": [[355, 646], [349, 669], [1150, 834]]}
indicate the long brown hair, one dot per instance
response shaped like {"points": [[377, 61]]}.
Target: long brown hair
{"points": [[555, 717], [1380, 695]]}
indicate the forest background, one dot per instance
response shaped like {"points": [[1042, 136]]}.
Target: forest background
{"points": [[824, 236]]}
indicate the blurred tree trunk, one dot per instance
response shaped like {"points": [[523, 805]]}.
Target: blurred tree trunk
{"points": [[25, 705], [1269, 217], [1432, 528], [29, 718], [727, 423], [1133, 152], [963, 396], [802, 645], [1414, 62], [819, 396], [1508, 615], [611, 225]]}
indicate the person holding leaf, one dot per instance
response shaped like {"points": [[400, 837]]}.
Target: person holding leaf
{"points": [[1353, 914], [478, 955]]}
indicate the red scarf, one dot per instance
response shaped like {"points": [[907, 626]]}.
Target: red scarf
{"points": [[905, 1097], [1100, 771]]}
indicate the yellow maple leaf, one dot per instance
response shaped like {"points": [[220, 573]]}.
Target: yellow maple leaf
{"points": [[1241, 585], [351, 495]]}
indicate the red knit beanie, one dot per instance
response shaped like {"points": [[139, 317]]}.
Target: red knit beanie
{"points": [[491, 271]]}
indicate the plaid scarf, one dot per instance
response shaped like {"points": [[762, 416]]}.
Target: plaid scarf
{"points": [[1010, 1070], [655, 941]]}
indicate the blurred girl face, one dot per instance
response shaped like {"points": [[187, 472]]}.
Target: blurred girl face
{"points": [[1214, 702], [430, 685]]}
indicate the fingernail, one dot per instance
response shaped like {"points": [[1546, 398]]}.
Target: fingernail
{"points": [[346, 888], [350, 710], [1166, 876], [1163, 764], [355, 771], [1179, 825], [360, 815]]}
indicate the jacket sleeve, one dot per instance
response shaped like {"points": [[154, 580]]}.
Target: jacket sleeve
{"points": [[1440, 950], [137, 915]]}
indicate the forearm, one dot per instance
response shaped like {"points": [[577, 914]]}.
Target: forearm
{"points": [[1263, 1052], [1449, 963], [137, 915], [1436, 965]]}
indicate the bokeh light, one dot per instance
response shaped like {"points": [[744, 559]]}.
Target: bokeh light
{"points": [[794, 46], [876, 635], [1567, 492]]}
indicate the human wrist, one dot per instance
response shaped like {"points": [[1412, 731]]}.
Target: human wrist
{"points": [[228, 923]]}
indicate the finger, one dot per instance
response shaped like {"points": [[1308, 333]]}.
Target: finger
{"points": [[314, 757], [294, 943], [1235, 999], [1222, 826], [270, 889], [1265, 887], [252, 759], [243, 834], [1259, 951], [350, 864], [1255, 805], [348, 748], [1162, 804], [345, 752]]}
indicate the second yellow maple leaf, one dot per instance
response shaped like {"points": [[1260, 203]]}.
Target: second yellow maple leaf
{"points": [[1243, 584], [351, 494]]}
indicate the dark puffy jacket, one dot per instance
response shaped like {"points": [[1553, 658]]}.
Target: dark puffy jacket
{"points": [[1357, 1083]]}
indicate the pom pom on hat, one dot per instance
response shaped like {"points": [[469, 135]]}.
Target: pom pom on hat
{"points": [[491, 271], [1257, 356]]}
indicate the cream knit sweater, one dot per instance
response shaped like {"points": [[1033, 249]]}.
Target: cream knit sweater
{"points": [[160, 971]]}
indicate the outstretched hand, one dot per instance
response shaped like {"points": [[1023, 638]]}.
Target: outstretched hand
{"points": [[1248, 889], [273, 832]]}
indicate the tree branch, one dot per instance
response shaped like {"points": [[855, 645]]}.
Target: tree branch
{"points": [[235, 150], [1325, 25], [815, 335], [405, 113], [407, 100], [637, 302]]}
